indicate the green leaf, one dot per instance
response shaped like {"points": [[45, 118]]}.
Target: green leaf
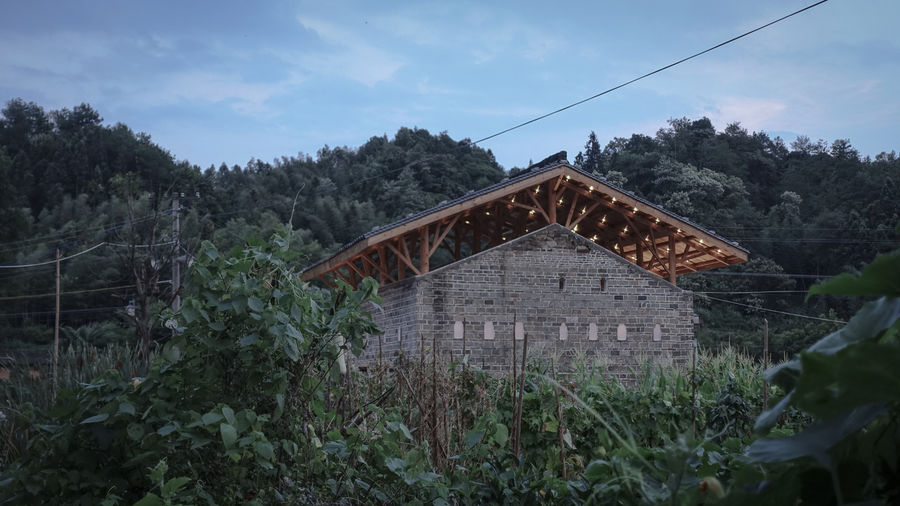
{"points": [[815, 441], [398, 426], [96, 418], [879, 278], [229, 435], [396, 465], [150, 499], [264, 449], [337, 449], [255, 304], [229, 414], [248, 340], [217, 326], [174, 485], [473, 438], [501, 434], [165, 430], [211, 418], [189, 313], [126, 408]]}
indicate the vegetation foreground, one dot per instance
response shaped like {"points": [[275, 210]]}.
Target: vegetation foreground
{"points": [[250, 401]]}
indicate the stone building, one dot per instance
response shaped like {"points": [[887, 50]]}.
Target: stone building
{"points": [[584, 271]]}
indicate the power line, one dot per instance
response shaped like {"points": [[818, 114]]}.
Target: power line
{"points": [[91, 290], [729, 41], [50, 262], [754, 293], [769, 275], [67, 235], [86, 310], [772, 310]]}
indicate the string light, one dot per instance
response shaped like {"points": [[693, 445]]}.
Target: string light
{"points": [[616, 247], [614, 200], [594, 238], [583, 209], [591, 188], [647, 239], [634, 210], [531, 213], [537, 190], [487, 213], [575, 228], [604, 219], [468, 222], [560, 201], [657, 220], [625, 230], [513, 199], [567, 177], [677, 230]]}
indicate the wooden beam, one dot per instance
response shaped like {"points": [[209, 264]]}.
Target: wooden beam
{"points": [[571, 211], [587, 213], [355, 269], [404, 256], [438, 240], [539, 207], [552, 197], [673, 267], [424, 252], [640, 236]]}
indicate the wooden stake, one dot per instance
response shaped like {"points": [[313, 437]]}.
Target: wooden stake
{"points": [[56, 332], [765, 362], [517, 416], [560, 427]]}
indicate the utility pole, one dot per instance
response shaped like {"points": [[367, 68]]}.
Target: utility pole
{"points": [[176, 248], [56, 331]]}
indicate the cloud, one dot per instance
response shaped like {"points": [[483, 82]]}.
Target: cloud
{"points": [[65, 68], [481, 36], [348, 55]]}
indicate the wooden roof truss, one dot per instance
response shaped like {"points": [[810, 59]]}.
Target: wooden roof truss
{"points": [[644, 235]]}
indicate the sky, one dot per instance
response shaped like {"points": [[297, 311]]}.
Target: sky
{"points": [[228, 81]]}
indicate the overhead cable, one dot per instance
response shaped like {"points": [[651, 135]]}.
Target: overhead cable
{"points": [[648, 74], [771, 310]]}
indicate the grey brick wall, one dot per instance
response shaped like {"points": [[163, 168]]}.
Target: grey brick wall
{"points": [[544, 280]]}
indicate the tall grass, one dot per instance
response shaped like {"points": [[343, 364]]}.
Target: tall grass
{"points": [[29, 388]]}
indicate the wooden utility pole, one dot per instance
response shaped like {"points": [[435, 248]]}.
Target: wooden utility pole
{"points": [[56, 331], [765, 362], [176, 249]]}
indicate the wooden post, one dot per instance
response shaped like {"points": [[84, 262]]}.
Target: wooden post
{"points": [[765, 362], [56, 332], [424, 253], [552, 197], [672, 263], [176, 266]]}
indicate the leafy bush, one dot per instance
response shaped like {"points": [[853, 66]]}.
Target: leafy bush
{"points": [[253, 344]]}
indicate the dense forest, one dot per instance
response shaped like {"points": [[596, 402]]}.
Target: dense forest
{"points": [[68, 182]]}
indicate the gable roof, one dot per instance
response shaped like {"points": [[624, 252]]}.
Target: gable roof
{"points": [[667, 244]]}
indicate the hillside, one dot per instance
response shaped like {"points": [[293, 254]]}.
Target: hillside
{"points": [[69, 181]]}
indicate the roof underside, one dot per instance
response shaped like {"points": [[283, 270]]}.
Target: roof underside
{"points": [[646, 235]]}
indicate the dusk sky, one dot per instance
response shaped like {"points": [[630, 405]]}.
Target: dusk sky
{"points": [[227, 81]]}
